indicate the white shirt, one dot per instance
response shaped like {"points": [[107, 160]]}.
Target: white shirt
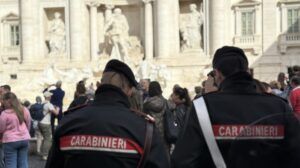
{"points": [[48, 107]]}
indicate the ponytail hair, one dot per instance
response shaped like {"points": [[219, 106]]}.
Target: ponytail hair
{"points": [[183, 95], [15, 105]]}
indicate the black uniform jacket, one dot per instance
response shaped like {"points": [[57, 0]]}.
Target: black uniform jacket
{"points": [[252, 130], [104, 134]]}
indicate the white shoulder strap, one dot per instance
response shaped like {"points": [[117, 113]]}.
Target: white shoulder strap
{"points": [[208, 134]]}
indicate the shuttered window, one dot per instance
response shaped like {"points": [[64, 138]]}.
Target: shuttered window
{"points": [[248, 23], [293, 20], [14, 35]]}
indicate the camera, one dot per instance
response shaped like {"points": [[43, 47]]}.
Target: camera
{"points": [[212, 74]]}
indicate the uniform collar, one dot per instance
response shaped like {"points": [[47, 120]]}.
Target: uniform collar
{"points": [[238, 82], [106, 94]]}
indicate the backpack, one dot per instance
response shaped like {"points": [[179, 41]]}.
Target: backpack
{"points": [[170, 125], [36, 111]]}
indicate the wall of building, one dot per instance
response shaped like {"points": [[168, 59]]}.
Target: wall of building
{"points": [[266, 51]]}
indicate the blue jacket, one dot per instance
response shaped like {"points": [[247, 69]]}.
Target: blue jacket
{"points": [[57, 97]]}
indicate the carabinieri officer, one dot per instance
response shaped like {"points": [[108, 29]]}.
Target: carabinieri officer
{"points": [[108, 133]]}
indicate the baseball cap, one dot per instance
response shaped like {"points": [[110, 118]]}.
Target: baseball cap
{"points": [[47, 94]]}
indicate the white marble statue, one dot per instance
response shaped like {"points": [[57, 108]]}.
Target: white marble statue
{"points": [[117, 29], [191, 36], [144, 69], [160, 73], [48, 76], [57, 35], [155, 72]]}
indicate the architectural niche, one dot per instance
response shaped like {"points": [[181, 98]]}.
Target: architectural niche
{"points": [[191, 25], [248, 29]]}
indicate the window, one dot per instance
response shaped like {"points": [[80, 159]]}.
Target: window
{"points": [[14, 35], [293, 16], [247, 23], [289, 25]]}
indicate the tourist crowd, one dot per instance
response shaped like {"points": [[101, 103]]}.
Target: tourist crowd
{"points": [[21, 122]]}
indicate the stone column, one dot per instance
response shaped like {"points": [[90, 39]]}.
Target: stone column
{"points": [[76, 29], [175, 38], [257, 20], [148, 30], [164, 28], [93, 29], [27, 13], [217, 24], [238, 18], [283, 19]]}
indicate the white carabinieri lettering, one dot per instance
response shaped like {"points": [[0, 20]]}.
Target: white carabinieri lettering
{"points": [[98, 143]]}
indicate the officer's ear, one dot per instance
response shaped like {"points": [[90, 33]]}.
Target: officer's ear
{"points": [[128, 91], [219, 77]]}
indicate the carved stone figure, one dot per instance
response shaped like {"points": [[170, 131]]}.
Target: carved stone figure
{"points": [[144, 69], [155, 72], [117, 29], [191, 30], [57, 35]]}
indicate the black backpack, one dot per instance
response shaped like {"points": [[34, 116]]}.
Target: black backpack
{"points": [[170, 125], [36, 112]]}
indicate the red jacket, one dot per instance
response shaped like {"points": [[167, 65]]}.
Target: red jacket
{"points": [[295, 100]]}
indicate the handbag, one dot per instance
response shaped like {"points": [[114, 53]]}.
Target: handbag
{"points": [[171, 129], [148, 137]]}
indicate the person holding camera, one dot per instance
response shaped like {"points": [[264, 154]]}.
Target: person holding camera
{"points": [[45, 124]]}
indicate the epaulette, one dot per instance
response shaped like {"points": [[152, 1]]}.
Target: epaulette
{"points": [[143, 115], [209, 93], [71, 110], [275, 96]]}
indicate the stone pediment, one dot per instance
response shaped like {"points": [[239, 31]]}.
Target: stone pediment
{"points": [[288, 1], [246, 3], [10, 17], [118, 2]]}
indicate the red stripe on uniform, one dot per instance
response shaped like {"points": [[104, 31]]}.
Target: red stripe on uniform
{"points": [[248, 132], [99, 143]]}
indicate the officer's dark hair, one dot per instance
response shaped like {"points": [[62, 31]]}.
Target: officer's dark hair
{"points": [[260, 88], [6, 87], [116, 79], [295, 80], [266, 86], [154, 89], [183, 94], [229, 60]]}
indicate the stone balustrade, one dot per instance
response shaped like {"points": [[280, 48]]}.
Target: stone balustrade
{"points": [[248, 42], [288, 40], [11, 54]]}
